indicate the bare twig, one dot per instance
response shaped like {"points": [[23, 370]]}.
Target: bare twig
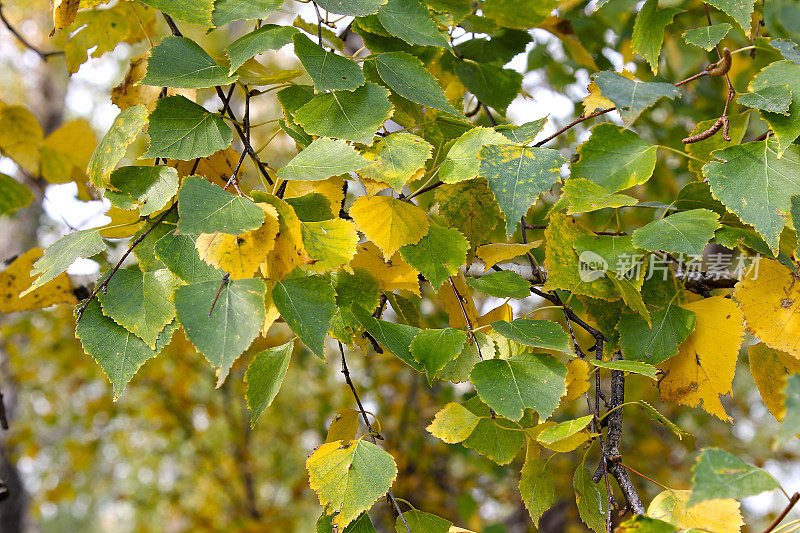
{"points": [[792, 501], [225, 279], [467, 321], [43, 55]]}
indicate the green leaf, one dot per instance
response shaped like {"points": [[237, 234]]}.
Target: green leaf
{"points": [[790, 425], [631, 296], [179, 255], [311, 207], [718, 474], [786, 127], [739, 10], [527, 381], [496, 438], [235, 321], [267, 37], [615, 158], [457, 370], [663, 421], [328, 70], [537, 333], [563, 430], [584, 196], [634, 367], [438, 255], [536, 487], [206, 208], [354, 8], [354, 116], [141, 302], [433, 348], [114, 144], [504, 284], [774, 98], [615, 252], [524, 134], [145, 188], [407, 77], [453, 424], [493, 85], [702, 150], [411, 21], [181, 62], [648, 31], [394, 337], [359, 288], [194, 11], [517, 176], [591, 503], [462, 162], [788, 49], [362, 524], [119, 352], [670, 325], [145, 251], [62, 253], [645, 524], [471, 208], [707, 37], [13, 195], [349, 479], [264, 377], [307, 304], [420, 522], [226, 11], [631, 97], [522, 14], [754, 182], [329, 243], [397, 159], [181, 129], [322, 159], [685, 232]]}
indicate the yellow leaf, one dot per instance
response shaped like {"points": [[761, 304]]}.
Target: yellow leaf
{"points": [[16, 278], [501, 312], [123, 223], [20, 137], [716, 516], [344, 426], [331, 188], [129, 93], [453, 424], [491, 254], [577, 379], [272, 313], [240, 255], [289, 251], [594, 100], [447, 298], [389, 223], [770, 298], [564, 445], [329, 243], [373, 187], [392, 275], [64, 12], [217, 167], [66, 152], [769, 368], [706, 362]]}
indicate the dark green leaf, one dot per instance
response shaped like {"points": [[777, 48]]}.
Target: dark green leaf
{"points": [[267, 37], [537, 333], [355, 8], [420, 522], [435, 347], [492, 85], [648, 31], [395, 337], [686, 232], [328, 70], [181, 129], [322, 159], [264, 377], [179, 255], [774, 98], [788, 49], [718, 474], [707, 37], [412, 22], [438, 255], [536, 487], [505, 284], [406, 76], [739, 10], [632, 96], [226, 11], [181, 62], [206, 208], [146, 188], [785, 126], [307, 304]]}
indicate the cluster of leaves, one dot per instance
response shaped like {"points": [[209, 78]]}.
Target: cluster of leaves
{"points": [[225, 261]]}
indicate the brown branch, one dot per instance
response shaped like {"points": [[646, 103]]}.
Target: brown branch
{"points": [[373, 435], [792, 501], [43, 55], [225, 279], [467, 321], [104, 283], [3, 416]]}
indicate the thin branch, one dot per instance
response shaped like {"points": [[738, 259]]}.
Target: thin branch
{"points": [[792, 501], [373, 435], [467, 321], [3, 417], [575, 123], [104, 283], [43, 55], [225, 279]]}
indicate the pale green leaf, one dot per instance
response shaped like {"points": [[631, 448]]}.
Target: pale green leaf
{"points": [[113, 145], [718, 474], [584, 196], [785, 125], [62, 253], [591, 502], [267, 37], [226, 11], [563, 430], [633, 367], [537, 333], [307, 304], [790, 425], [147, 189], [631, 97], [438, 255], [536, 487], [419, 522], [707, 37], [685, 232], [397, 159], [412, 22], [739, 10], [461, 162], [328, 70], [648, 31], [406, 76], [504, 284], [322, 159], [13, 195], [355, 8], [206, 208], [453, 424]]}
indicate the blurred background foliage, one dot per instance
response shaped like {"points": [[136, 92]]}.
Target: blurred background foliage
{"points": [[174, 454]]}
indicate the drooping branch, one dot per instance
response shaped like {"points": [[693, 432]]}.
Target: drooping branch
{"points": [[43, 55], [373, 435]]}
